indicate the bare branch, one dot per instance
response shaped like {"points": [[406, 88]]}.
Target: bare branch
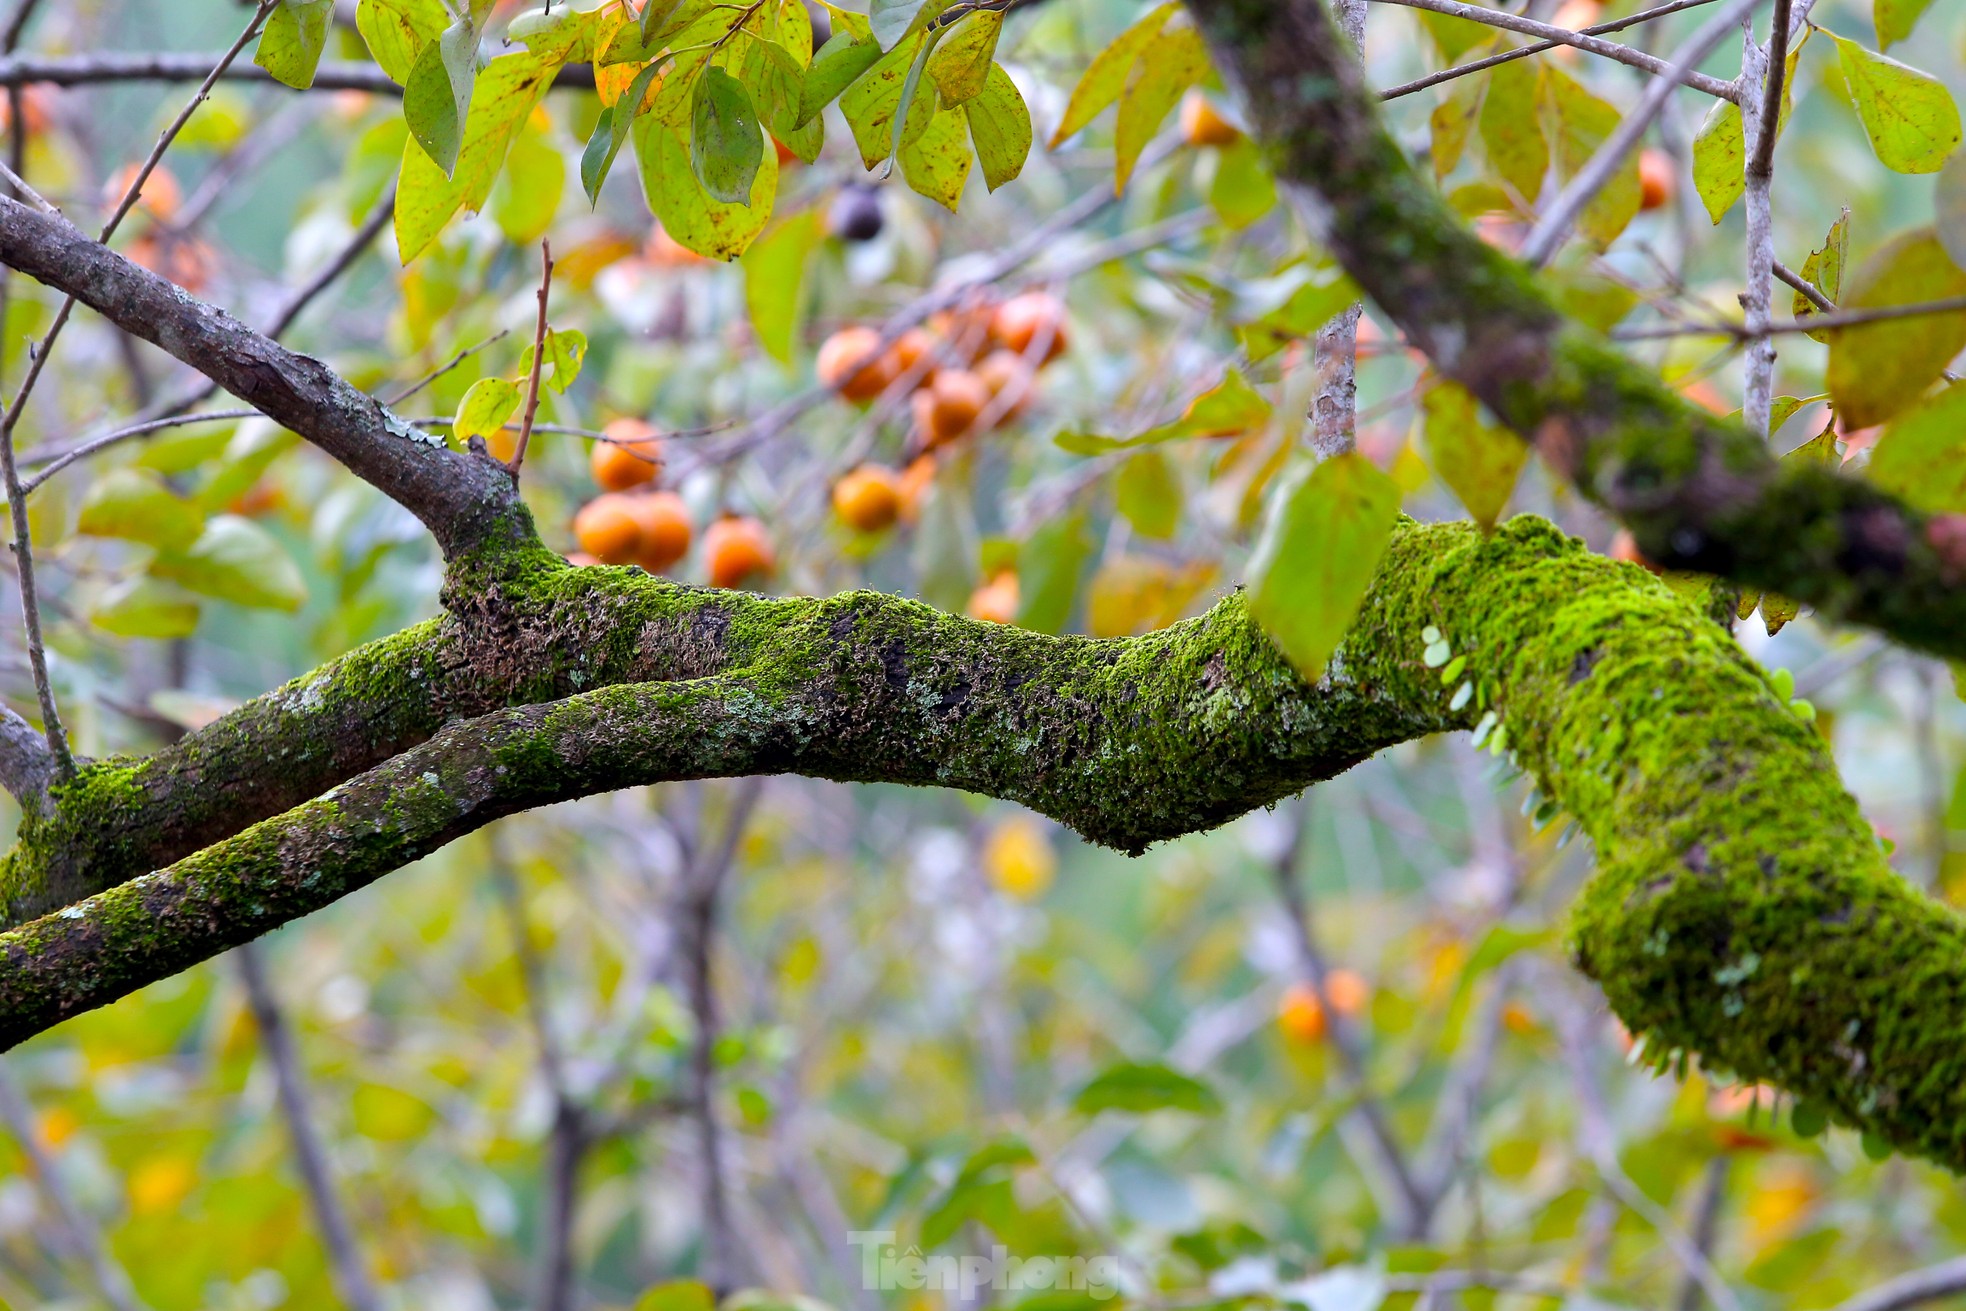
{"points": [[538, 360], [1675, 72], [1814, 323], [1915, 1289], [351, 1275], [98, 68], [1555, 223], [1810, 291], [27, 766], [463, 500], [1523, 52], [1764, 69]]}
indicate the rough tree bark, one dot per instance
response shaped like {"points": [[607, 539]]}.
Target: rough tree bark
{"points": [[1741, 908]]}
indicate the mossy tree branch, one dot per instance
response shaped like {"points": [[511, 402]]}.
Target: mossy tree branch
{"points": [[1698, 492], [1742, 909]]}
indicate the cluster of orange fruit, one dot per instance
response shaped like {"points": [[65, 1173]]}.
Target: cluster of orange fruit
{"points": [[183, 259], [968, 369], [633, 521]]}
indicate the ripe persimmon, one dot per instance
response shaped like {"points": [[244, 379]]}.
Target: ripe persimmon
{"points": [[183, 260], [1657, 178], [608, 529], [1021, 320], [631, 455], [997, 601], [915, 481], [1300, 1015], [1202, 123], [947, 410], [736, 548], [868, 500], [850, 363], [1347, 991], [908, 353], [662, 521], [1012, 383]]}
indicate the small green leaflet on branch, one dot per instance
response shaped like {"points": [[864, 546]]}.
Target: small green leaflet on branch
{"points": [[1909, 116], [296, 34], [727, 146], [1000, 128], [1328, 526], [1877, 369], [566, 351], [611, 131]]}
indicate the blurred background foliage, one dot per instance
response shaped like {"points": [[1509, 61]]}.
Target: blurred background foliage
{"points": [[908, 993]]}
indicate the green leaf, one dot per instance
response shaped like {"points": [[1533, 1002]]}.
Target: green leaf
{"points": [[1582, 123], [137, 505], [529, 188], [872, 103], [1894, 19], [290, 47], [1824, 267], [437, 100], [396, 32], [936, 164], [774, 278], [1141, 1088], [688, 213], [1000, 128], [501, 100], [1049, 566], [1229, 408], [679, 1294], [1453, 121], [963, 59], [775, 71], [1512, 128], [486, 408], [727, 146], [839, 64], [145, 607], [1808, 1119], [1243, 190], [1172, 62], [1720, 159], [611, 132], [1106, 77], [236, 560], [1909, 116], [891, 20], [1878, 369], [1921, 456], [1148, 494], [1477, 460], [1327, 528]]}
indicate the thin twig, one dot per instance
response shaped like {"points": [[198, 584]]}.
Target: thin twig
{"points": [[1523, 52], [538, 359], [10, 37], [1915, 1289], [1810, 291], [82, 1236], [1766, 68], [351, 1275], [1814, 323], [1350, 1047], [1706, 1227], [1676, 72], [130, 66], [397, 398], [1554, 226]]}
